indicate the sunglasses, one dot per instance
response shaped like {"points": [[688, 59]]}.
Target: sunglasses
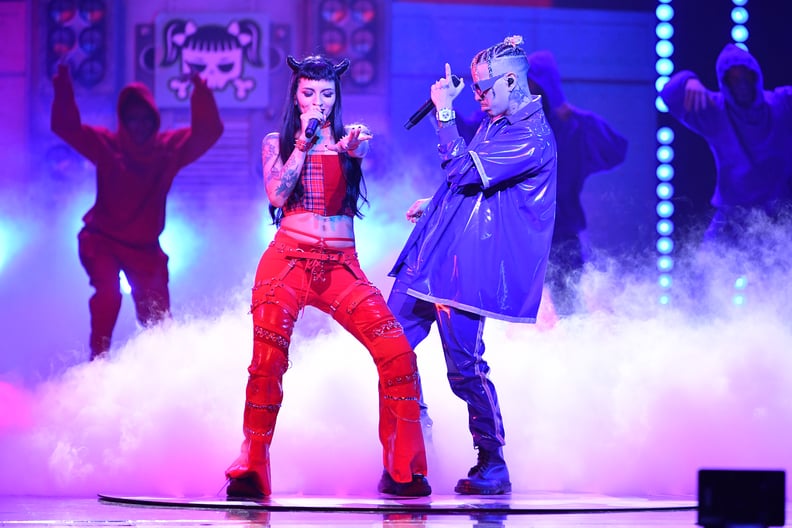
{"points": [[482, 87]]}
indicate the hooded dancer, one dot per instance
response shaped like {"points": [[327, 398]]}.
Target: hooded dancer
{"points": [[586, 144], [479, 247], [135, 167], [749, 131], [315, 186]]}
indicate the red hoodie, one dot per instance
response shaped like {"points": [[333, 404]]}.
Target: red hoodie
{"points": [[132, 181]]}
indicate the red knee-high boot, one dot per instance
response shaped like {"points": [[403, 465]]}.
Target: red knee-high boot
{"points": [[366, 315], [249, 475], [404, 454]]}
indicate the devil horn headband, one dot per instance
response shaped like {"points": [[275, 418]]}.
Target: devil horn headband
{"points": [[296, 65], [341, 67]]}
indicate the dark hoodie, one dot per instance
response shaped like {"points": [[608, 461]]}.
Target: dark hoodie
{"points": [[132, 181], [752, 146], [586, 144]]}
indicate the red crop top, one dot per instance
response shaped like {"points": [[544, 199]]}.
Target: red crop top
{"points": [[325, 188]]}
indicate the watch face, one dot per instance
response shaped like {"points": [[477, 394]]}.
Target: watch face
{"points": [[444, 114]]}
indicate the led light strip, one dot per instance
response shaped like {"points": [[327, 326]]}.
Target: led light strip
{"points": [[665, 152]]}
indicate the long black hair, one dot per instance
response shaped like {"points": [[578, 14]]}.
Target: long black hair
{"points": [[318, 68]]}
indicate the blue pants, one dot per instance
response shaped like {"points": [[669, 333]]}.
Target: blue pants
{"points": [[461, 336]]}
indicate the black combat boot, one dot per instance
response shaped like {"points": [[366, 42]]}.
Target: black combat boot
{"points": [[489, 476], [417, 487]]}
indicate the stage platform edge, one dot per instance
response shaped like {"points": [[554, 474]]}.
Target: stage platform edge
{"points": [[523, 504]]}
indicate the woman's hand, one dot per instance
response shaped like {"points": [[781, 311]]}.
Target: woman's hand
{"points": [[352, 141], [417, 209], [312, 113]]}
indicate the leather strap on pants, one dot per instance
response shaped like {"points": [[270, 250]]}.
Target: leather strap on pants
{"points": [[289, 277]]}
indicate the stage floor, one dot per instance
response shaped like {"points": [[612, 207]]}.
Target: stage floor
{"points": [[536, 509]]}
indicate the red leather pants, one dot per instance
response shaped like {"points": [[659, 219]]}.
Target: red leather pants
{"points": [[290, 276]]}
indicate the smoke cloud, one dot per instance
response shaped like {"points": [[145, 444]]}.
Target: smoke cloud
{"points": [[627, 397]]}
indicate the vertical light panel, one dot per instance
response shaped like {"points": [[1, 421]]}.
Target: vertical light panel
{"points": [[739, 34], [739, 16], [665, 153]]}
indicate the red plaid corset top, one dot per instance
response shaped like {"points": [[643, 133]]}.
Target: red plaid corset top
{"points": [[325, 188]]}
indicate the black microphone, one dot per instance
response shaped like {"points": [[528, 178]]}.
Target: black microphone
{"points": [[425, 108], [310, 130]]}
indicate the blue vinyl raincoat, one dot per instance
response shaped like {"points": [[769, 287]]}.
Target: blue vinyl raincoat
{"points": [[483, 247]]}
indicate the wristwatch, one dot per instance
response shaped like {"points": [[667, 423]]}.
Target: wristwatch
{"points": [[444, 115]]}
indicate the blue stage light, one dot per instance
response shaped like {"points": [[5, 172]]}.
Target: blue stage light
{"points": [[665, 245], [181, 242], [665, 135], [664, 66], [664, 12], [665, 227], [665, 263], [664, 48], [665, 154], [664, 30], [14, 236], [665, 172], [739, 33], [75, 210], [7, 244], [665, 209], [267, 230], [739, 15], [665, 191]]}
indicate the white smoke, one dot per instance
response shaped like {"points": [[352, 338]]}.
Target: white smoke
{"points": [[631, 397]]}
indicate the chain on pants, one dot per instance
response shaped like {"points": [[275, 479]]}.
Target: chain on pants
{"points": [[288, 280], [364, 313], [273, 322]]}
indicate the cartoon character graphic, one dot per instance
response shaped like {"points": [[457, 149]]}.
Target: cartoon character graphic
{"points": [[217, 53]]}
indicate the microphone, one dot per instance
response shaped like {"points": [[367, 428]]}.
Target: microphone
{"points": [[310, 130], [425, 108]]}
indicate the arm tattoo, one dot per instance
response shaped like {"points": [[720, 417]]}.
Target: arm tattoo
{"points": [[281, 178], [288, 176]]}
